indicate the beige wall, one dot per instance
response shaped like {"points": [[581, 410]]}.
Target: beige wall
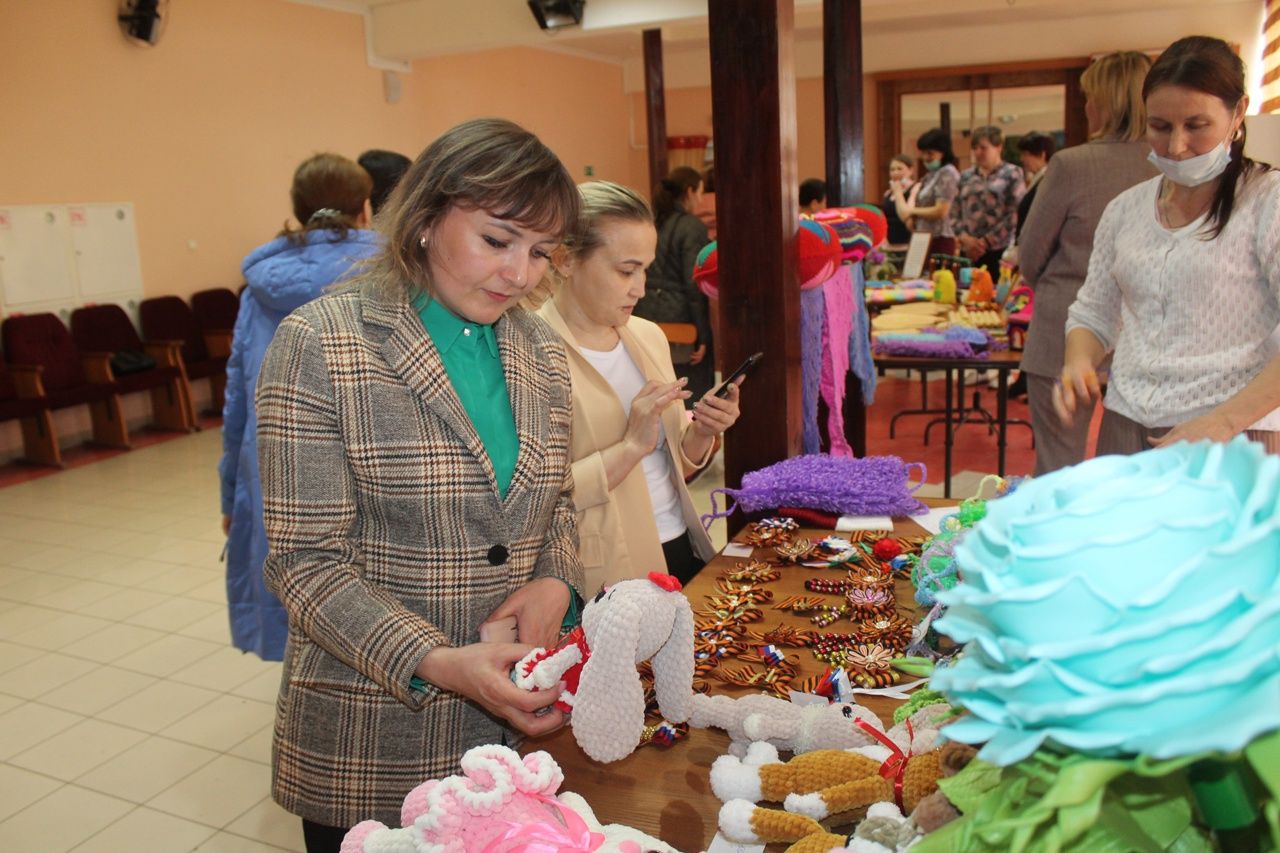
{"points": [[203, 131], [689, 113]]}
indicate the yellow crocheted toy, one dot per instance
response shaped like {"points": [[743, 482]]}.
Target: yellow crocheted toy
{"points": [[821, 784]]}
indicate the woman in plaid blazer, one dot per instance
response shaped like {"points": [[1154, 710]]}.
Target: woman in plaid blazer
{"points": [[414, 443]]}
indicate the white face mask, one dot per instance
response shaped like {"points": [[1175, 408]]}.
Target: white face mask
{"points": [[1196, 170]]}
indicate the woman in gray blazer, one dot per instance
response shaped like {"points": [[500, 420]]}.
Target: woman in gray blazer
{"points": [[414, 438], [1054, 248]]}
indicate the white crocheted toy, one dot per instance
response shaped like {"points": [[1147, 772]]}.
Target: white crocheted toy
{"points": [[623, 626], [501, 802], [786, 725]]}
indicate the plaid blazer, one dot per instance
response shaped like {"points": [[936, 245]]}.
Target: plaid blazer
{"points": [[388, 536]]}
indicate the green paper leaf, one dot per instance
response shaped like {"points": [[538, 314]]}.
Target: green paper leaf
{"points": [[967, 788], [1264, 755], [1070, 804]]}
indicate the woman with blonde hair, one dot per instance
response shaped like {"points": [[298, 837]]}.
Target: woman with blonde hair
{"points": [[414, 433], [632, 443], [1057, 239]]}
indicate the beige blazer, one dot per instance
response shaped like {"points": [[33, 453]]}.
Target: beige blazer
{"points": [[617, 529], [1057, 239]]}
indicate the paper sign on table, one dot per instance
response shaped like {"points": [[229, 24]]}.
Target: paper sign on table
{"points": [[932, 520], [802, 699], [850, 523], [720, 844], [738, 549]]}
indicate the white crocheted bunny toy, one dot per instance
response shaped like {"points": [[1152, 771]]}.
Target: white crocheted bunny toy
{"points": [[624, 625], [788, 726]]}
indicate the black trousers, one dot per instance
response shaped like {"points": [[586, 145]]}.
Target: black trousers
{"points": [[320, 838], [681, 561]]}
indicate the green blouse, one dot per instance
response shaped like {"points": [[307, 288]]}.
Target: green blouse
{"points": [[470, 355]]}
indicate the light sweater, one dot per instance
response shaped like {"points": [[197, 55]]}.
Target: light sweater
{"points": [[1192, 321]]}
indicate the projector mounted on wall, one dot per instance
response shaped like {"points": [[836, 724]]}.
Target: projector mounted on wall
{"points": [[556, 14], [142, 21]]}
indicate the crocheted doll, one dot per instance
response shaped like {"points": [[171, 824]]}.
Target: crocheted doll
{"points": [[817, 785], [786, 725], [500, 803], [623, 626]]}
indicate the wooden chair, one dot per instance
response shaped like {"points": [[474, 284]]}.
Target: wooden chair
{"points": [[44, 363], [39, 440], [679, 333], [215, 310], [204, 354], [107, 329], [686, 334]]}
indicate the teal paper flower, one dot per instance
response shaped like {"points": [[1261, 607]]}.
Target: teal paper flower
{"points": [[1127, 605]]}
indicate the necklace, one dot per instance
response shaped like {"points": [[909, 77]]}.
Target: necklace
{"points": [[1173, 215]]}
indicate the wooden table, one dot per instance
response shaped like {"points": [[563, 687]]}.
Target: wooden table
{"points": [[666, 791], [1003, 362]]}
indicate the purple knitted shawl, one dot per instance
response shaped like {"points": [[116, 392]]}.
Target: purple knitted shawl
{"points": [[875, 485]]}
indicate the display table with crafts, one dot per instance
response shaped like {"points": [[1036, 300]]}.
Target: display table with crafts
{"points": [[666, 790], [1105, 676], [1003, 362]]}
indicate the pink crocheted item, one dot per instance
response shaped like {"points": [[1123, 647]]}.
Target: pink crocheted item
{"points": [[500, 803]]}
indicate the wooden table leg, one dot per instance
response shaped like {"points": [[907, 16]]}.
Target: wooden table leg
{"points": [[1002, 417], [946, 465]]}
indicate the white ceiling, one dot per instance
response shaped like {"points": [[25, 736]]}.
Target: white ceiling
{"points": [[414, 29]]}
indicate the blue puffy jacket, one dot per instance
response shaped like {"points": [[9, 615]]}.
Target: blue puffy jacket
{"points": [[281, 276]]}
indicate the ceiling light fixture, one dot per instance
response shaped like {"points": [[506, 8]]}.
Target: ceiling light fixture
{"points": [[557, 14]]}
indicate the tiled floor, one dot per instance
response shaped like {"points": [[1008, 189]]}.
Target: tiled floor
{"points": [[127, 720]]}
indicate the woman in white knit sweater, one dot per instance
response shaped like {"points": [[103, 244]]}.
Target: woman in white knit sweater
{"points": [[1184, 279]]}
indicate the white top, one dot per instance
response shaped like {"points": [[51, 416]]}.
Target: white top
{"points": [[622, 374], [1191, 321]]}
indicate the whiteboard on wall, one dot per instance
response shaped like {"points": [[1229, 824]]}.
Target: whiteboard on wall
{"points": [[106, 249], [36, 259]]}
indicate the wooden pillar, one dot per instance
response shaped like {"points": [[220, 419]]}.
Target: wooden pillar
{"points": [[655, 104], [846, 164], [944, 118], [754, 121], [842, 95]]}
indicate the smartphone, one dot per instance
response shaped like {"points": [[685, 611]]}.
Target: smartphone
{"points": [[743, 369]]}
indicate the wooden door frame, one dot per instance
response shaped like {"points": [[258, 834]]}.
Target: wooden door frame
{"points": [[892, 85]]}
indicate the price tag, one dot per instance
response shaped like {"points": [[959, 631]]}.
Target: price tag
{"points": [[802, 699]]}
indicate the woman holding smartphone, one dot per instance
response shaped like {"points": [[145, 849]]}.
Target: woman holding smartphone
{"points": [[632, 442]]}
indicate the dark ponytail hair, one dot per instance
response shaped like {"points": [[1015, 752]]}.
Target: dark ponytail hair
{"points": [[935, 140], [671, 190], [1208, 65]]}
